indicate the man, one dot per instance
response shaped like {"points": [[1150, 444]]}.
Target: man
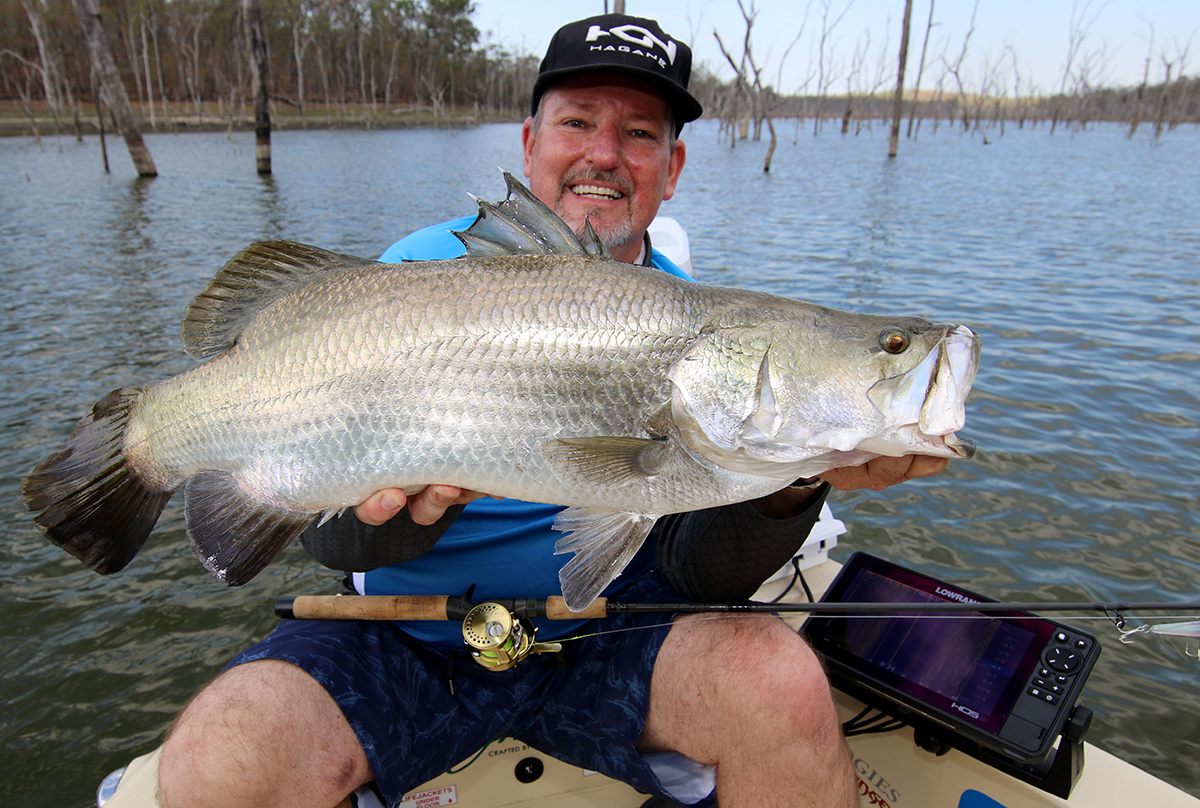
{"points": [[740, 703]]}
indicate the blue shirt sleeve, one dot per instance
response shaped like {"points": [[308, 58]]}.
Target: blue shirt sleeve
{"points": [[438, 241], [429, 243]]}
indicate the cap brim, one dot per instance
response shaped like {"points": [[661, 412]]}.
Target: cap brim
{"points": [[683, 105]]}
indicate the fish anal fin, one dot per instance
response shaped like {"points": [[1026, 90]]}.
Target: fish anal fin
{"points": [[606, 459], [234, 535], [246, 285], [604, 542]]}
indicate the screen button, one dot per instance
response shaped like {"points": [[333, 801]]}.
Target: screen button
{"points": [[1063, 660]]}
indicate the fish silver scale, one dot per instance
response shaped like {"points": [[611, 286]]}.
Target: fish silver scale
{"points": [[352, 385]]}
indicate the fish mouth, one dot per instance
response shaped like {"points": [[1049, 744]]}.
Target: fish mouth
{"points": [[928, 403]]}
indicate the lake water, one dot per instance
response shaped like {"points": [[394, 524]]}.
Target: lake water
{"points": [[1077, 258]]}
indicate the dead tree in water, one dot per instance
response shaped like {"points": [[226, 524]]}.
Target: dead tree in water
{"points": [[898, 100], [920, 71], [109, 80], [1076, 36], [760, 108], [258, 76], [955, 69], [824, 71]]}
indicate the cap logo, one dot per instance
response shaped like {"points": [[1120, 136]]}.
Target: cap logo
{"points": [[635, 35]]}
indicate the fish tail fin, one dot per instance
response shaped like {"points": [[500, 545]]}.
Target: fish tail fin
{"points": [[92, 503]]}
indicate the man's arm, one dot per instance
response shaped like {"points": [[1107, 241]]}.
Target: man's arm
{"points": [[722, 555], [718, 554]]}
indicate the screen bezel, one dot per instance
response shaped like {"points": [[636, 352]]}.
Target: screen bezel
{"points": [[828, 634]]}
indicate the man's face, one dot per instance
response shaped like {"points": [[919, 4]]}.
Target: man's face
{"points": [[602, 153]]}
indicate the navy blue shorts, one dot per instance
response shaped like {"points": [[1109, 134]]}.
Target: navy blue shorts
{"points": [[396, 694]]}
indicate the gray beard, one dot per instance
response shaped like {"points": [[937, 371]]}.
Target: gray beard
{"points": [[612, 235]]}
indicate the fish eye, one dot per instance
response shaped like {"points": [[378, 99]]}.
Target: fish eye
{"points": [[894, 340]]}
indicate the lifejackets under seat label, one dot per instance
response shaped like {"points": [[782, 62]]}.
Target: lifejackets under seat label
{"points": [[434, 797]]}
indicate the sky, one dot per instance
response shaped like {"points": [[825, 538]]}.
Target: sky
{"points": [[1115, 36]]}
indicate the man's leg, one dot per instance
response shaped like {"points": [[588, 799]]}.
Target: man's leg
{"points": [[747, 694], [263, 734]]}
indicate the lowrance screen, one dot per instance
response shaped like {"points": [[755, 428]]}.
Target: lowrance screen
{"points": [[991, 674], [965, 663]]}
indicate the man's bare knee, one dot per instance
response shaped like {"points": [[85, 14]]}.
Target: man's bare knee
{"points": [[261, 734], [748, 695]]}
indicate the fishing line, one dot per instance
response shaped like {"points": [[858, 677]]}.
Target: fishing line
{"points": [[1125, 635]]}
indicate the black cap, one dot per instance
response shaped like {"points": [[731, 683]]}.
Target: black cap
{"points": [[631, 46]]}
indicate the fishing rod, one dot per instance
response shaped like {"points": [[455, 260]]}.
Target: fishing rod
{"points": [[443, 607], [500, 634]]}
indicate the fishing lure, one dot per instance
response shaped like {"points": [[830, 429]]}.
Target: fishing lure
{"points": [[1188, 629]]}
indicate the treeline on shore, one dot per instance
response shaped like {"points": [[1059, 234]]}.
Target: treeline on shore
{"points": [[185, 63]]}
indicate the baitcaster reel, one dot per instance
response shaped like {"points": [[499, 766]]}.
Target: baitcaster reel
{"points": [[499, 639]]}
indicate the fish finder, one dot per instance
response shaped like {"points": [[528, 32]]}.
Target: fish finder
{"points": [[1001, 686]]}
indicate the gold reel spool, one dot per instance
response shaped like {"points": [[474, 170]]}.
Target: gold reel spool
{"points": [[499, 640]]}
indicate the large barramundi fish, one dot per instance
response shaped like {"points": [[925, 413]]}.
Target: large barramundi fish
{"points": [[534, 367]]}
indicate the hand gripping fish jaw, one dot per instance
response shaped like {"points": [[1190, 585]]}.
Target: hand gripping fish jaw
{"points": [[499, 639]]}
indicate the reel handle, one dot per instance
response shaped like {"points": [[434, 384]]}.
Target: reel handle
{"points": [[360, 607], [419, 607]]}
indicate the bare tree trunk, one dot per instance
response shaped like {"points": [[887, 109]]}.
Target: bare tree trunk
{"points": [[920, 71], [898, 100], [37, 25], [109, 80], [162, 90], [146, 64], [258, 77], [100, 121], [1163, 97], [771, 147]]}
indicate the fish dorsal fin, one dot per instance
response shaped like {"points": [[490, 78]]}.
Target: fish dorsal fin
{"points": [[246, 285], [523, 225]]}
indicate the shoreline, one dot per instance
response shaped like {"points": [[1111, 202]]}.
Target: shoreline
{"points": [[15, 121]]}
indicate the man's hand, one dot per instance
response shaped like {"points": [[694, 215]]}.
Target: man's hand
{"points": [[425, 507], [881, 472], [876, 474], [429, 505]]}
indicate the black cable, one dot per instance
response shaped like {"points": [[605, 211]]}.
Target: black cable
{"points": [[862, 724]]}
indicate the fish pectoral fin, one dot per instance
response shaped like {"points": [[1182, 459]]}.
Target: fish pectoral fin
{"points": [[606, 458], [603, 542], [234, 535]]}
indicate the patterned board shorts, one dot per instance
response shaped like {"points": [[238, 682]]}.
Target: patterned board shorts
{"points": [[419, 710]]}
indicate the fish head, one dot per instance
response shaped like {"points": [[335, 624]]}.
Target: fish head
{"points": [[796, 395]]}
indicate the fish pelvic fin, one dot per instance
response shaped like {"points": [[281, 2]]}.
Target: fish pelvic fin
{"points": [[604, 542], [523, 225], [92, 502], [233, 534], [246, 285], [606, 459]]}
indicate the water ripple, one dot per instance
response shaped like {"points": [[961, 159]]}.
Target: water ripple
{"points": [[1074, 257]]}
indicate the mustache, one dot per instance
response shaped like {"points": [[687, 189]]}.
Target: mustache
{"points": [[596, 176]]}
